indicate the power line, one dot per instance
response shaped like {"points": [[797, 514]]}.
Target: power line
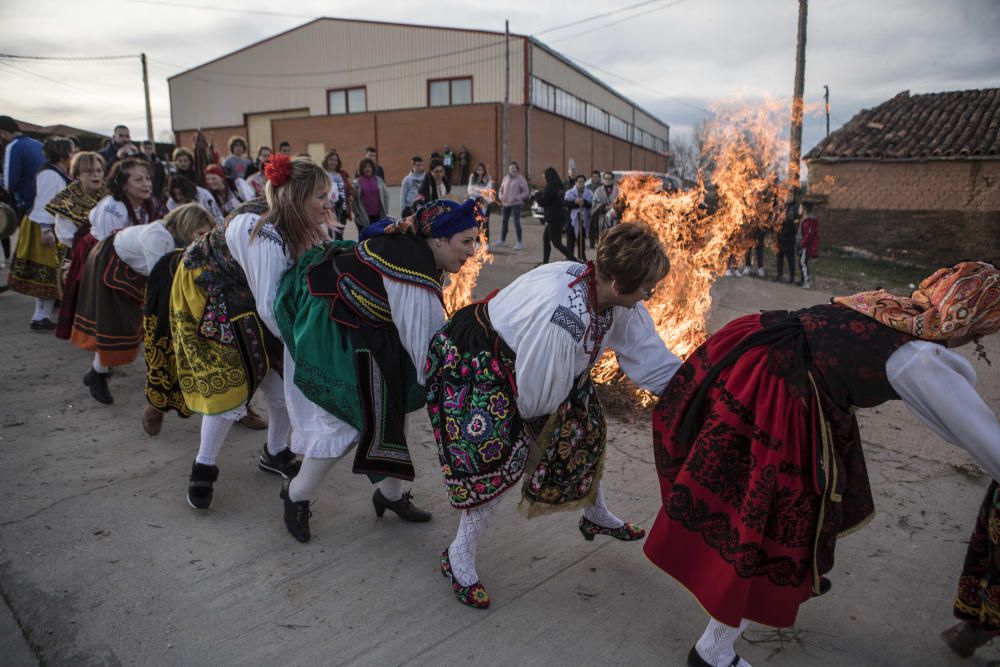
{"points": [[621, 20], [181, 5], [597, 16], [54, 81], [362, 68], [20, 57], [641, 85]]}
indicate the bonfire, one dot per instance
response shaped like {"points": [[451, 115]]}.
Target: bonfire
{"points": [[738, 192]]}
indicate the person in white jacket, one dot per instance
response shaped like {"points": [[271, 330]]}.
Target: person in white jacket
{"points": [[510, 394]]}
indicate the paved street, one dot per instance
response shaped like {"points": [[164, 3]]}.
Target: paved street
{"points": [[102, 562]]}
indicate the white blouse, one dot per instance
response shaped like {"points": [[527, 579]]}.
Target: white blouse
{"points": [[48, 184], [544, 322], [263, 260], [142, 246], [939, 386], [110, 215]]}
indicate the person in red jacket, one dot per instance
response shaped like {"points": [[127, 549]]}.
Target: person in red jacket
{"points": [[809, 245]]}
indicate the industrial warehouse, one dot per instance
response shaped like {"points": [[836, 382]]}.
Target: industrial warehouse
{"points": [[405, 89]]}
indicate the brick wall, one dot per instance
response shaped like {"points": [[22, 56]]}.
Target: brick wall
{"points": [[926, 238], [219, 135], [947, 185], [400, 134]]}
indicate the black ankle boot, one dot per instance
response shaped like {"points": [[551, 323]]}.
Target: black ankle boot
{"points": [[297, 515], [98, 383], [404, 507], [199, 494]]}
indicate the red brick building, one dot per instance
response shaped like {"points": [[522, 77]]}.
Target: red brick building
{"points": [[916, 178], [407, 89]]}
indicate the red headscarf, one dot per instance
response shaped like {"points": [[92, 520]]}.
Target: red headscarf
{"points": [[963, 300]]}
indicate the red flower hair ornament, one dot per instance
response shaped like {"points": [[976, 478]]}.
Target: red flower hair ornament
{"points": [[278, 169]]}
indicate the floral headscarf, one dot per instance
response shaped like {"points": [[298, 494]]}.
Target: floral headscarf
{"points": [[440, 218], [963, 300]]}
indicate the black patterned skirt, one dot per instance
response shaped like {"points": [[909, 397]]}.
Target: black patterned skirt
{"points": [[978, 598], [485, 447], [163, 392]]}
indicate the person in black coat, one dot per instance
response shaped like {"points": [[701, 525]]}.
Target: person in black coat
{"points": [[786, 241], [550, 198], [437, 177]]}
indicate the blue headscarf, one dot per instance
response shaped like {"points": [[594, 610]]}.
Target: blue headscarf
{"points": [[440, 218]]}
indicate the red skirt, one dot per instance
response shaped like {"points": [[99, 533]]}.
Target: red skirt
{"points": [[752, 505], [83, 243]]}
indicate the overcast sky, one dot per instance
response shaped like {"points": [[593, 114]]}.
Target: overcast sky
{"points": [[675, 57]]}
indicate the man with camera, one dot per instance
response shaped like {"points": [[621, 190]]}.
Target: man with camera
{"points": [[119, 148]]}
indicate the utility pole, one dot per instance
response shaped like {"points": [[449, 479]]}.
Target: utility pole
{"points": [[795, 147], [826, 100], [506, 102], [149, 109]]}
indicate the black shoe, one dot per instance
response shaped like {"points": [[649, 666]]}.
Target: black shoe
{"points": [[297, 515], [283, 463], [44, 324], [98, 383], [199, 494], [695, 660], [406, 510]]}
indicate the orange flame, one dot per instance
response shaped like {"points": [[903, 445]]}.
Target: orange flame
{"points": [[458, 291], [742, 153]]}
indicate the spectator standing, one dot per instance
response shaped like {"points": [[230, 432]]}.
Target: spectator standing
{"points": [[23, 158], [513, 192], [119, 148], [372, 155], [436, 185], [285, 148], [204, 155], [579, 201], [595, 181], [809, 245], [602, 210], [786, 243], [757, 250], [448, 160], [237, 165], [551, 199], [157, 167], [464, 160], [183, 164], [34, 271], [227, 193], [570, 178], [341, 191], [410, 190], [371, 196], [481, 186], [256, 178]]}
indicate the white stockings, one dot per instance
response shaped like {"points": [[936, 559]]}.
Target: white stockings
{"points": [[214, 429], [599, 513], [278, 424], [716, 646], [462, 552], [303, 486], [43, 309]]}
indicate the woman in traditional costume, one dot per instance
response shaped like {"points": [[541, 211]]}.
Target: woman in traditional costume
{"points": [[185, 223], [71, 209], [356, 322], [509, 391], [758, 450], [35, 268], [226, 193], [222, 315], [977, 602], [130, 203]]}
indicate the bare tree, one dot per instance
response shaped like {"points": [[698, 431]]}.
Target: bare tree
{"points": [[684, 157]]}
